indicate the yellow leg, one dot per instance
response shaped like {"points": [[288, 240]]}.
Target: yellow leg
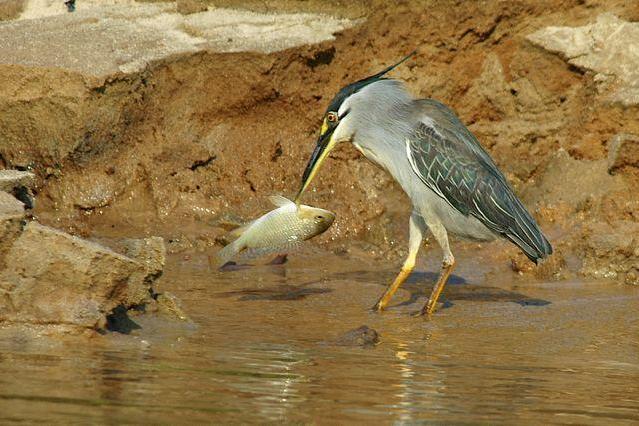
{"points": [[447, 268], [390, 291], [441, 235], [416, 230]]}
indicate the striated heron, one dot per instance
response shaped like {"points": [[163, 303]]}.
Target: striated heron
{"points": [[454, 185]]}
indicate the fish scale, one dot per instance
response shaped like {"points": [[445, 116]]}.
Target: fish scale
{"points": [[278, 231]]}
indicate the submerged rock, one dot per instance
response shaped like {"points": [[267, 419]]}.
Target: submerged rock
{"points": [[170, 305], [362, 336]]}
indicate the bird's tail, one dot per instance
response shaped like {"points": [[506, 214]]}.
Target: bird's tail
{"points": [[526, 234]]}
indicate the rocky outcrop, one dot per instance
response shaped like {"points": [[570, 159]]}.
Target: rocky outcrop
{"points": [[612, 251], [606, 47], [11, 9], [151, 255], [54, 278], [11, 179], [51, 278], [623, 152]]}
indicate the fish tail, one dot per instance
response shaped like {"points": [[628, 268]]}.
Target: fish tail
{"points": [[229, 251]]}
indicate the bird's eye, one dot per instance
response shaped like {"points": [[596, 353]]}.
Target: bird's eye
{"points": [[332, 117]]}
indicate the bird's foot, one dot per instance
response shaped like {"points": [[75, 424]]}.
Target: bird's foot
{"points": [[428, 310], [378, 308]]}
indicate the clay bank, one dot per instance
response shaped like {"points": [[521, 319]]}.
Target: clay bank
{"points": [[135, 134]]}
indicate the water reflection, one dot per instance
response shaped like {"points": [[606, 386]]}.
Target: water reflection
{"points": [[405, 392], [268, 375]]}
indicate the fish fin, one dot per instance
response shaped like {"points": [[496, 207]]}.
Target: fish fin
{"points": [[280, 201], [229, 251]]}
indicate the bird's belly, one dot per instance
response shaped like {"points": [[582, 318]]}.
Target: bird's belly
{"points": [[434, 208], [430, 205]]}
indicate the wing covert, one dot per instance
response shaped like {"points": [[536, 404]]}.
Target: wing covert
{"points": [[450, 161]]}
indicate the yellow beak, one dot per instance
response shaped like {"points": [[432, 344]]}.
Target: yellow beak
{"points": [[325, 144]]}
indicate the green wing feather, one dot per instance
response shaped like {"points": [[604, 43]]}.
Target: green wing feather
{"points": [[447, 157]]}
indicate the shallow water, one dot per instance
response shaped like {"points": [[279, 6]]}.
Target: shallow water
{"points": [[262, 350]]}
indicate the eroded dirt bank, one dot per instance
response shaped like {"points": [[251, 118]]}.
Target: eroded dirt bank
{"points": [[186, 143]]}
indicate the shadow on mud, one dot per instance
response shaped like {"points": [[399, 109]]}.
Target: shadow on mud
{"points": [[280, 292], [419, 285]]}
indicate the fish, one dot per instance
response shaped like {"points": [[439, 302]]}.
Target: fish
{"points": [[277, 231]]}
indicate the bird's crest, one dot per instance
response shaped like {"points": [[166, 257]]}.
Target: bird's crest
{"points": [[352, 88]]}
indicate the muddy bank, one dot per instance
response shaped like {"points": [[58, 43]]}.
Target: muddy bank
{"points": [[191, 139]]}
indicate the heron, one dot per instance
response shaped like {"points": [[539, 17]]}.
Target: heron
{"points": [[453, 184]]}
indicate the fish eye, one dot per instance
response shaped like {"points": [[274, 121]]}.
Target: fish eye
{"points": [[332, 116], [319, 217]]}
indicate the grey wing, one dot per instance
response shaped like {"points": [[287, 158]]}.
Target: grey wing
{"points": [[451, 162]]}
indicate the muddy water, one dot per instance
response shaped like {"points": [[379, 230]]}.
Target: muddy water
{"points": [[263, 349]]}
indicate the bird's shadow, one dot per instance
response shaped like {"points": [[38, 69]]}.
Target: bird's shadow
{"points": [[419, 285]]}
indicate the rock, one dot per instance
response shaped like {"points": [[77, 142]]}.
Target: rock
{"points": [[11, 179], [9, 205], [11, 9], [606, 47], [549, 269], [574, 183], [362, 336], [170, 305], [623, 151], [612, 251], [187, 7], [12, 215], [55, 278], [151, 254], [490, 92], [10, 229], [63, 89], [140, 33]]}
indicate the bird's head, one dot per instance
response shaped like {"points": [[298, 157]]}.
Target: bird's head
{"points": [[337, 126]]}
